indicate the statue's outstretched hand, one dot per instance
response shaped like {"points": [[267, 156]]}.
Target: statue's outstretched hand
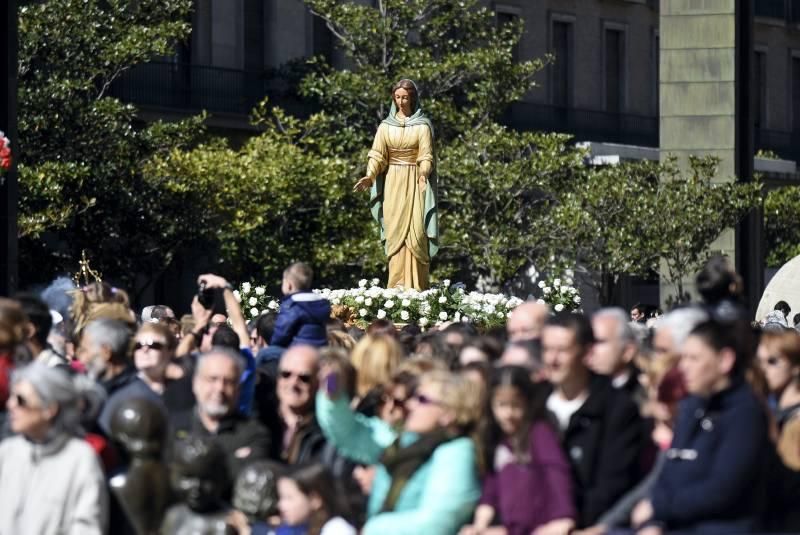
{"points": [[362, 184]]}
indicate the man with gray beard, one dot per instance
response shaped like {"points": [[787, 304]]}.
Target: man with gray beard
{"points": [[216, 387]]}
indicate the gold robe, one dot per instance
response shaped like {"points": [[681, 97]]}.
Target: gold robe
{"points": [[404, 153]]}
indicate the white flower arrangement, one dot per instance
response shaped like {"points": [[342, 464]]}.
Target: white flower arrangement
{"points": [[368, 301], [560, 293]]}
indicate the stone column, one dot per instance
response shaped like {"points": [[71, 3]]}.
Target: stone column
{"points": [[704, 92]]}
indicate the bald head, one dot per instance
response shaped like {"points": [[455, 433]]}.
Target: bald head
{"points": [[526, 321], [297, 380]]}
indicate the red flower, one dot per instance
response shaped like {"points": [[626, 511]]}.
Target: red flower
{"points": [[5, 152], [5, 163]]}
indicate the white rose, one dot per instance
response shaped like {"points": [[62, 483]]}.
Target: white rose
{"points": [[559, 307], [556, 282], [273, 305], [465, 319], [501, 314], [337, 301], [252, 301], [359, 299], [457, 316], [577, 299], [376, 282], [540, 301], [238, 296], [404, 315], [406, 302], [260, 290], [368, 301], [381, 314], [547, 290], [246, 287], [443, 299], [362, 312], [423, 321], [569, 281], [569, 273], [362, 283], [541, 284], [388, 304], [254, 312], [446, 283], [443, 315]]}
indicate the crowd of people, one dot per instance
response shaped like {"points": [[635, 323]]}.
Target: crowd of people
{"points": [[295, 423]]}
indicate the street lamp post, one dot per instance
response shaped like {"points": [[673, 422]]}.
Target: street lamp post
{"points": [[9, 192]]}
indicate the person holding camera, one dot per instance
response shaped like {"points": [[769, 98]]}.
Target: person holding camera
{"points": [[215, 294]]}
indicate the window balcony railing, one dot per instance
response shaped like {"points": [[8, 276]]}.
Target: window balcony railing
{"points": [[585, 125], [191, 88], [773, 9]]}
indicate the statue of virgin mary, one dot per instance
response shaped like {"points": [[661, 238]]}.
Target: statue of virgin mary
{"points": [[401, 173]]}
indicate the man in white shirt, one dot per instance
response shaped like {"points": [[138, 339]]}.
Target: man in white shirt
{"points": [[602, 432]]}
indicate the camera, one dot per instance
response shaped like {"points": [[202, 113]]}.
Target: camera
{"points": [[211, 298]]}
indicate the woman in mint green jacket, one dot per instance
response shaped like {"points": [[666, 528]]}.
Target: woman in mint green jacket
{"points": [[426, 480]]}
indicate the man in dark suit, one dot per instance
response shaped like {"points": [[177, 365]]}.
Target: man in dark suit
{"points": [[602, 432]]}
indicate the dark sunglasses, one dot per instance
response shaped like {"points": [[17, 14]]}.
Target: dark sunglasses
{"points": [[158, 346], [422, 399], [304, 377]]}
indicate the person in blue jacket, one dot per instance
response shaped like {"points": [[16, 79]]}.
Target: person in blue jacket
{"points": [[712, 478], [303, 313], [426, 479]]}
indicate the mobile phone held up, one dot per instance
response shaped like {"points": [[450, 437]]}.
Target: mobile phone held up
{"points": [[332, 384]]}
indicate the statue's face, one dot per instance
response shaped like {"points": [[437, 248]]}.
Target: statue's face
{"points": [[255, 493], [199, 493], [403, 100]]}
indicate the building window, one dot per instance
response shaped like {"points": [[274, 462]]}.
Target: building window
{"points": [[561, 46], [759, 88], [506, 16], [796, 93], [655, 76], [614, 70]]}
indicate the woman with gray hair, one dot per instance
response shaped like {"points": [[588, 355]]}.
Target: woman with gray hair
{"points": [[50, 479]]}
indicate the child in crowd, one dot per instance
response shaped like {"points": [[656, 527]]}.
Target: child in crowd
{"points": [[309, 504], [303, 313], [528, 487]]}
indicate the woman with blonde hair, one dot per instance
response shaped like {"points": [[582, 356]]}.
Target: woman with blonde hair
{"points": [[427, 478], [778, 356], [375, 359]]}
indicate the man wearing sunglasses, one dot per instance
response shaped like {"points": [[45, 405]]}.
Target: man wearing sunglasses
{"points": [[303, 440]]}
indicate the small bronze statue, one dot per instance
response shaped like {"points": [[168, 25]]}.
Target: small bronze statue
{"points": [[143, 490], [256, 491], [199, 478]]}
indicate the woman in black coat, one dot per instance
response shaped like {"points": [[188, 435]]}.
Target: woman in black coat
{"points": [[711, 482]]}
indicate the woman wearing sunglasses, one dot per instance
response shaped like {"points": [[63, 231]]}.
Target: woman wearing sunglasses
{"points": [[153, 349], [50, 480], [426, 480], [779, 358]]}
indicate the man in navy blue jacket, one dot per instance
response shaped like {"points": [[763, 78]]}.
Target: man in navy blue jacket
{"points": [[303, 313]]}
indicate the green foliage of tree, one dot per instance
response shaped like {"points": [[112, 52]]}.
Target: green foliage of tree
{"points": [[625, 219], [782, 225], [82, 151]]}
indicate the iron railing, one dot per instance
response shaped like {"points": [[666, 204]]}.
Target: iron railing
{"points": [[585, 125], [188, 87], [192, 88], [774, 9]]}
